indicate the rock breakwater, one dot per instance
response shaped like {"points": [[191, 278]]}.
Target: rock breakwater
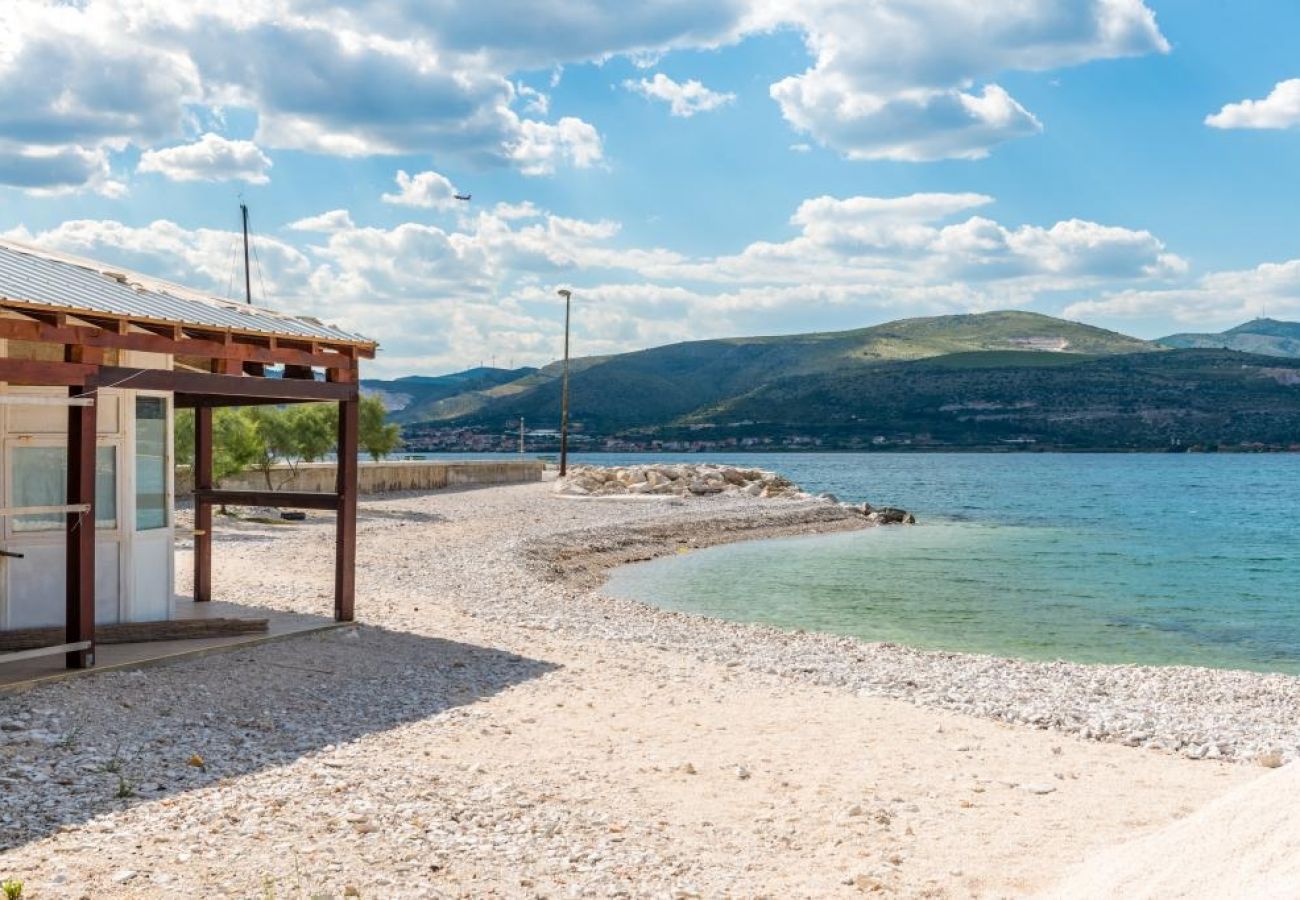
{"points": [[700, 480], [679, 480]]}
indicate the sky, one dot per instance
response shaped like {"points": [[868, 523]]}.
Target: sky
{"points": [[689, 170]]}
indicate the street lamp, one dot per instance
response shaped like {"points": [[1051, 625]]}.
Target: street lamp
{"points": [[564, 390]]}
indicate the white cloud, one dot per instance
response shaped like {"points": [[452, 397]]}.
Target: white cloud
{"points": [[894, 79], [203, 258], [898, 80], [428, 190], [210, 158], [525, 210], [1217, 298], [540, 148], [684, 99], [439, 297], [326, 222], [535, 102], [1280, 109], [57, 170]]}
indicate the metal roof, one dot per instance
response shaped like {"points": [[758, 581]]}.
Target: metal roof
{"points": [[32, 276]]}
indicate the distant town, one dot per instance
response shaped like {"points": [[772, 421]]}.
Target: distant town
{"points": [[428, 438]]}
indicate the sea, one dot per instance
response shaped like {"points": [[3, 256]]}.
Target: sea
{"points": [[1152, 559]]}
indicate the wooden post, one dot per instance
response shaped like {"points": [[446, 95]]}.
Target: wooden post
{"points": [[202, 511], [345, 558], [80, 530]]}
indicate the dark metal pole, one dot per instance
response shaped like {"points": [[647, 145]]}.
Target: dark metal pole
{"points": [[564, 397], [202, 511], [248, 282]]}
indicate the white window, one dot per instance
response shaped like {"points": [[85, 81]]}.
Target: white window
{"points": [[150, 463], [39, 476]]}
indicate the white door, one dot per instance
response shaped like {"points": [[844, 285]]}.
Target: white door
{"points": [[150, 438]]}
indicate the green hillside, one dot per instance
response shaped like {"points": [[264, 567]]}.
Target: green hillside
{"points": [[667, 384], [1133, 401], [411, 398], [1269, 337]]}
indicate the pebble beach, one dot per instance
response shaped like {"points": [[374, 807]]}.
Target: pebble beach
{"points": [[495, 725]]}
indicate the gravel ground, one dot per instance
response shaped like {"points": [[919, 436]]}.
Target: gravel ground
{"points": [[495, 727]]}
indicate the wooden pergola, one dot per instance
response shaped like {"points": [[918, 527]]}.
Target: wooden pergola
{"points": [[214, 366]]}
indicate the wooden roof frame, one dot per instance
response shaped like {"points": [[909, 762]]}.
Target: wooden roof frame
{"points": [[237, 362]]}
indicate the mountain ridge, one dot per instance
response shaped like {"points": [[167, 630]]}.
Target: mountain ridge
{"points": [[1269, 337]]}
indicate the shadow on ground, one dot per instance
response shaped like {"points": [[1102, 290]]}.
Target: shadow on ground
{"points": [[367, 513], [73, 750]]}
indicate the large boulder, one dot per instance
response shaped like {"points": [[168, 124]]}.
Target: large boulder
{"points": [[890, 515]]}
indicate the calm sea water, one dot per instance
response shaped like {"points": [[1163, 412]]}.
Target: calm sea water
{"points": [[1097, 558]]}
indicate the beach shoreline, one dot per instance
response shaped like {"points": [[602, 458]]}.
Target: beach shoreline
{"points": [[495, 725], [1195, 711]]}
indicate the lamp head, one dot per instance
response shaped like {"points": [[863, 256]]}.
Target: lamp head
{"points": [[565, 293]]}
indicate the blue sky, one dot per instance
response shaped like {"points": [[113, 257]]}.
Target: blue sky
{"points": [[690, 170]]}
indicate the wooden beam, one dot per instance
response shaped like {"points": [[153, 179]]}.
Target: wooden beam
{"points": [[34, 653], [364, 349], [286, 499], [29, 372], [345, 544], [198, 387], [342, 375], [28, 639], [165, 339], [202, 469], [42, 400], [79, 577]]}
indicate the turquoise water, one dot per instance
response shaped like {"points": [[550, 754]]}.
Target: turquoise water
{"points": [[1155, 559]]}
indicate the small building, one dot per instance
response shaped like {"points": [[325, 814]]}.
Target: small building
{"points": [[94, 363]]}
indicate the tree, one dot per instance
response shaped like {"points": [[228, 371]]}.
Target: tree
{"points": [[315, 429], [236, 444], [183, 437], [276, 439], [377, 437]]}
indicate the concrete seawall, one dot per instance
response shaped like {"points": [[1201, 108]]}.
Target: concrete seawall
{"points": [[382, 477]]}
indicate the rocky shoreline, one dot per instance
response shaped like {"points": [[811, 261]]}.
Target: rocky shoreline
{"points": [[1196, 712], [496, 726]]}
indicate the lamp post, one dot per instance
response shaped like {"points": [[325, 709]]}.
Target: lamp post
{"points": [[564, 390]]}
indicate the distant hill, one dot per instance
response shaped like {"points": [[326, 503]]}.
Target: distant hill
{"points": [[990, 399], [411, 398], [681, 382], [1269, 337]]}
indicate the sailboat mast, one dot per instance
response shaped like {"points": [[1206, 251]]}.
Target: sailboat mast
{"points": [[248, 281]]}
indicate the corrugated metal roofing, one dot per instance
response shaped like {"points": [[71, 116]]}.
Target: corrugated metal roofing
{"points": [[37, 277]]}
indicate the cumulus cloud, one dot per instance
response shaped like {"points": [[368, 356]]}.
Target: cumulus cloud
{"points": [[913, 240], [1280, 109], [442, 296], [53, 171], [101, 76], [898, 79], [428, 190], [684, 99], [893, 80], [539, 148], [202, 258], [210, 158], [326, 222], [917, 126], [1216, 298]]}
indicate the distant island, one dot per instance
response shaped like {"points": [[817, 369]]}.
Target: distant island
{"points": [[992, 381]]}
